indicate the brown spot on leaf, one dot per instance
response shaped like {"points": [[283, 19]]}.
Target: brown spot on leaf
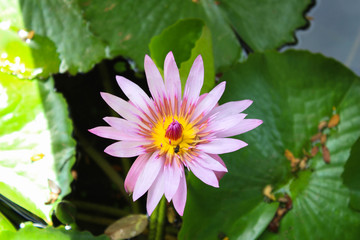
{"points": [[334, 121], [109, 8], [314, 151], [316, 137], [267, 192], [326, 154], [323, 139], [322, 125], [284, 207]]}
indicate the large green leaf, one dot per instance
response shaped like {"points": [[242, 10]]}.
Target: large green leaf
{"points": [[31, 232], [292, 93], [62, 22], [186, 39], [128, 26], [24, 53], [351, 175], [35, 143]]}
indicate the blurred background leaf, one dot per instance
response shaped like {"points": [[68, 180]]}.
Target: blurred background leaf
{"points": [[36, 147]]}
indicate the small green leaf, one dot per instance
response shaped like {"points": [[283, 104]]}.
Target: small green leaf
{"points": [[186, 39], [35, 144], [31, 232], [65, 211]]}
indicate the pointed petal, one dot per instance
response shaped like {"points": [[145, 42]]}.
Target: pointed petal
{"points": [[125, 109], [135, 94], [172, 77], [156, 191], [127, 128], [126, 149], [224, 123], [209, 162], [222, 145], [219, 175], [154, 79], [134, 172], [204, 174], [209, 101], [172, 179], [108, 132], [194, 81], [179, 199], [148, 175], [244, 126], [230, 108]]}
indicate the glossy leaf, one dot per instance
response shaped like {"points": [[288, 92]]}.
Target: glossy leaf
{"points": [[292, 93], [186, 39], [127, 28], [36, 147], [62, 22], [351, 176], [31, 232]]}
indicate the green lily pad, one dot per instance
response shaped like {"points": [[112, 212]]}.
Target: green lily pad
{"points": [[128, 27], [31, 232], [292, 93], [36, 147], [351, 176], [186, 39], [25, 57], [62, 22]]}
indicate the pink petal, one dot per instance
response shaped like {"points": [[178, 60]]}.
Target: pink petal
{"points": [[108, 132], [244, 126], [172, 179], [204, 174], [155, 193], [127, 128], [135, 94], [172, 77], [230, 108], [223, 123], [209, 162], [125, 109], [209, 101], [194, 81], [222, 145], [148, 175], [219, 175], [126, 149], [154, 79], [179, 199], [134, 172]]}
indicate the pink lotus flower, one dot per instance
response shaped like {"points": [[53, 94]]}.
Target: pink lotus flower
{"points": [[169, 132]]}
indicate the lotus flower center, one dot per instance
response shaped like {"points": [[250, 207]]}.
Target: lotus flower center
{"points": [[174, 135], [174, 131]]}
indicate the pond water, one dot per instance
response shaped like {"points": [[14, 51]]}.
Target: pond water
{"points": [[334, 31]]}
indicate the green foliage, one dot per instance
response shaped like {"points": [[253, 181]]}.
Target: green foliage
{"points": [[292, 93], [186, 39], [5, 224], [31, 232], [35, 143]]}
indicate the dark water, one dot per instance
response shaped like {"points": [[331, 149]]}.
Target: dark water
{"points": [[334, 31]]}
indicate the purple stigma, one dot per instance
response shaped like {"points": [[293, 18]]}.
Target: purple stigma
{"points": [[174, 130]]}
